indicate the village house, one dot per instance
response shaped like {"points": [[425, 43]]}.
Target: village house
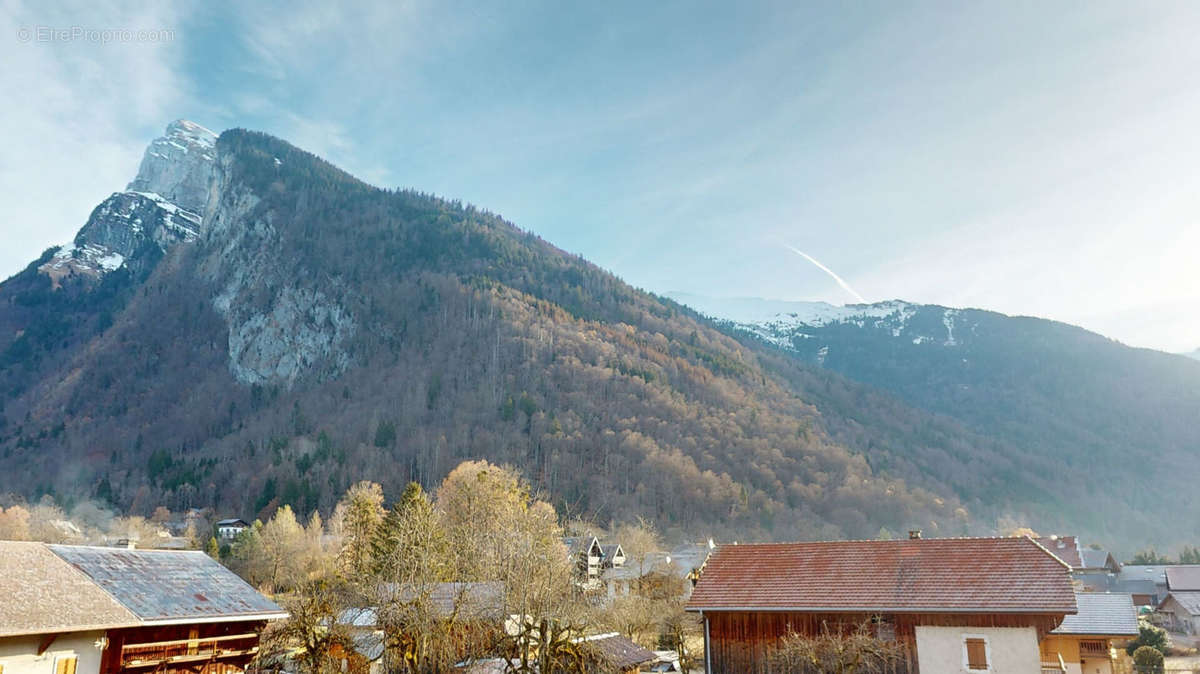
{"points": [[955, 605], [1148, 582], [592, 559], [1182, 612], [1083, 643], [659, 573], [90, 610], [1181, 605], [228, 529]]}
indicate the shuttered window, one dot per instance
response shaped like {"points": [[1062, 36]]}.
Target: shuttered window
{"points": [[976, 653], [65, 666]]}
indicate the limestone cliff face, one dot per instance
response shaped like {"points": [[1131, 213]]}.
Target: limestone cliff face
{"points": [[179, 166], [279, 332]]}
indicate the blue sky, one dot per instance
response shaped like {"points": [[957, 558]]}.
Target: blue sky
{"points": [[1032, 158]]}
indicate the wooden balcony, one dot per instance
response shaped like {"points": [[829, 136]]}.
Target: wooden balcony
{"points": [[157, 653]]}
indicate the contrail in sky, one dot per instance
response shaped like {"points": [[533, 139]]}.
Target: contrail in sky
{"points": [[845, 286]]}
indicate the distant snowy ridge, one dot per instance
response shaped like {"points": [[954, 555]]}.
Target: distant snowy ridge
{"points": [[783, 322], [1193, 354]]}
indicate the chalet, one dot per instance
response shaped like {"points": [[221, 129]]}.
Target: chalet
{"points": [[89, 610], [1083, 643], [955, 605], [228, 530]]}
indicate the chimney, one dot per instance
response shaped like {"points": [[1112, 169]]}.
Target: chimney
{"points": [[914, 534]]}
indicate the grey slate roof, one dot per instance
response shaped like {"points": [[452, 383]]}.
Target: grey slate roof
{"points": [[1190, 601], [1156, 573], [160, 586], [618, 652], [42, 594], [1101, 614]]}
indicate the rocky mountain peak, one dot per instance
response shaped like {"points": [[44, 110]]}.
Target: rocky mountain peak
{"points": [[164, 205], [178, 166]]}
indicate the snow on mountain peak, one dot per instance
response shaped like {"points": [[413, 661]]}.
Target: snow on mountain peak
{"points": [[189, 130]]}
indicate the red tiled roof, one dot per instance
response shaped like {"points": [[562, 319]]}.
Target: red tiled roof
{"points": [[939, 575], [1065, 548]]}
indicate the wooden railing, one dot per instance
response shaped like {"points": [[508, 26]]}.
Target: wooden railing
{"points": [[1054, 667], [208, 648]]}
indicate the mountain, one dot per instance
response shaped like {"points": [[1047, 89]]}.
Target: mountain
{"points": [[1193, 354], [1112, 427], [247, 325]]}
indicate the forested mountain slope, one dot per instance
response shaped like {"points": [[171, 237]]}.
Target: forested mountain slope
{"points": [[1096, 430], [288, 330]]}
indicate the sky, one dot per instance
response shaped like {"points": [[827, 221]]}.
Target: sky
{"points": [[1025, 157]]}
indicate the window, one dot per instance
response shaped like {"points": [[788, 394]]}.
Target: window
{"points": [[976, 653], [64, 665]]}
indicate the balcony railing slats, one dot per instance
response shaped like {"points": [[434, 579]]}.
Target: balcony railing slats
{"points": [[206, 648]]}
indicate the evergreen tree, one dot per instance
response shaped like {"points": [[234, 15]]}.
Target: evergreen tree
{"points": [[1189, 555], [212, 549]]}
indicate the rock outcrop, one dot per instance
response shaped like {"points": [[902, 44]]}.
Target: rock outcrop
{"points": [[179, 166]]}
